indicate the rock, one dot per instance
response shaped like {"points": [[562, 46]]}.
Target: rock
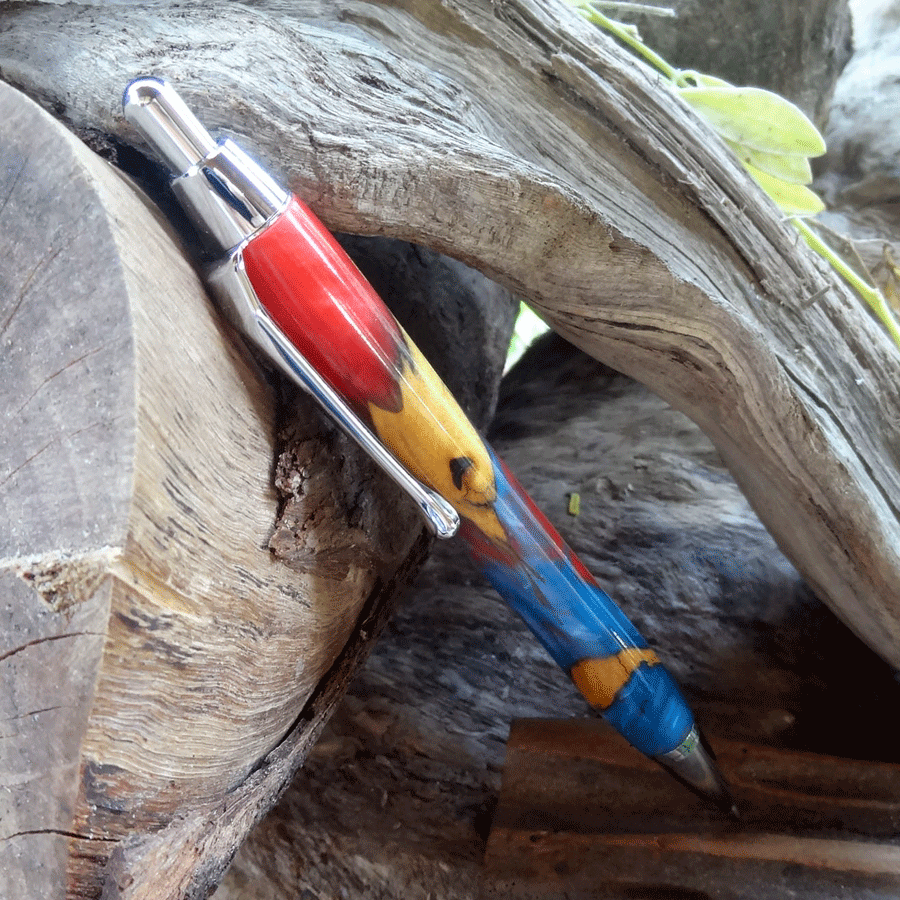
{"points": [[795, 49], [863, 134]]}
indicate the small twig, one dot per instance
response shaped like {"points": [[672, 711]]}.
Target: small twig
{"points": [[644, 8], [868, 292], [812, 298]]}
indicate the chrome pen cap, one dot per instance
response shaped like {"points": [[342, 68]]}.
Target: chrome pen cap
{"points": [[227, 195]]}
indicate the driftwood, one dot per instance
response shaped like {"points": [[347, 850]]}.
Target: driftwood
{"points": [[176, 633], [516, 138], [156, 652]]}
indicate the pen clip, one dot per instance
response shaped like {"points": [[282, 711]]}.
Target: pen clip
{"points": [[230, 198], [238, 300]]}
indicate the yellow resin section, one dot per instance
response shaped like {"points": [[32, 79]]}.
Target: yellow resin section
{"points": [[601, 678], [434, 439]]}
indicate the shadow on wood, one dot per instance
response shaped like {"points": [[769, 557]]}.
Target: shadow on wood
{"points": [[583, 816]]}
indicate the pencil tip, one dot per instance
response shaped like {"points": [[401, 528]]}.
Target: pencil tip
{"points": [[693, 764]]}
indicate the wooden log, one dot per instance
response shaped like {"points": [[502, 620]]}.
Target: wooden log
{"points": [[581, 815], [155, 654], [515, 137], [188, 857], [396, 798]]}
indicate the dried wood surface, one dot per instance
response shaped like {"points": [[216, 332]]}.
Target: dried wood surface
{"points": [[396, 798], [187, 858], [157, 656], [513, 136], [581, 815]]}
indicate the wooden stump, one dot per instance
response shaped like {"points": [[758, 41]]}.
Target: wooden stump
{"points": [[156, 656]]}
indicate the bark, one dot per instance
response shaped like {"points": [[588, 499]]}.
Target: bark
{"points": [[514, 137], [176, 632]]}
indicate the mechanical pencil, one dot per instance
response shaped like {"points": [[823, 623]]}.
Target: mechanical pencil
{"points": [[293, 292]]}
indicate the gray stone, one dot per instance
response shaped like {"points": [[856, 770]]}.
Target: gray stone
{"points": [[795, 49], [863, 135]]}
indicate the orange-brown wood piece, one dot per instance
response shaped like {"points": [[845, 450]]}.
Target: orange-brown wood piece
{"points": [[583, 815]]}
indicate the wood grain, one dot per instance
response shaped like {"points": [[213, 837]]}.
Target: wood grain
{"points": [[155, 652], [513, 136], [582, 815]]}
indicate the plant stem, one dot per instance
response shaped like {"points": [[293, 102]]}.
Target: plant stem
{"points": [[868, 292], [625, 35], [645, 8]]}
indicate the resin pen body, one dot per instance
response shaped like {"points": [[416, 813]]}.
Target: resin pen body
{"points": [[293, 291]]}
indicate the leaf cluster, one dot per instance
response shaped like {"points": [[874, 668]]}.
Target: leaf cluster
{"points": [[771, 137]]}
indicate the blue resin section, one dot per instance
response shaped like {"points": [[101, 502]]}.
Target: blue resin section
{"points": [[574, 619], [650, 712]]}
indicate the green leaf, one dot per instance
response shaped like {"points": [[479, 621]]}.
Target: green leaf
{"points": [[757, 119], [793, 199], [692, 78], [527, 329], [787, 167]]}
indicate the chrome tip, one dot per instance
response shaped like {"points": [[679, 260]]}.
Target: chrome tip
{"points": [[154, 108], [692, 762]]}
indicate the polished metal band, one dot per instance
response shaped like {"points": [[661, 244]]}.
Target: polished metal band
{"points": [[238, 300]]}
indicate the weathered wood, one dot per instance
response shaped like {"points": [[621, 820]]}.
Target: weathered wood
{"points": [[187, 858], [396, 798], [154, 651], [582, 815], [198, 613], [515, 137]]}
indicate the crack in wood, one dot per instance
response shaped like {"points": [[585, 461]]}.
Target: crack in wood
{"points": [[61, 832], [46, 640]]}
